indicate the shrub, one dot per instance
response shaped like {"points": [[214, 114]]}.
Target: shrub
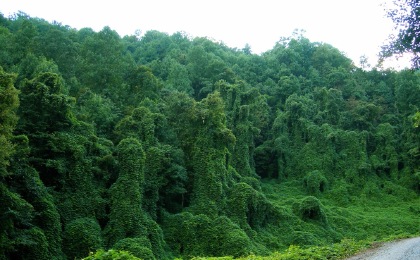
{"points": [[31, 244], [227, 239], [80, 237], [111, 255], [310, 209], [139, 247], [315, 182]]}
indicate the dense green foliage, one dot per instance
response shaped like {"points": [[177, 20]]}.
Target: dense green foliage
{"points": [[164, 146]]}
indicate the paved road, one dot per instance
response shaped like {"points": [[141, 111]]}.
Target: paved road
{"points": [[406, 249]]}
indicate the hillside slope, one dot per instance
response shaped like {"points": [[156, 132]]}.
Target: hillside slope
{"points": [[166, 146]]}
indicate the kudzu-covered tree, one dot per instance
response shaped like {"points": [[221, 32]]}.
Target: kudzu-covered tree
{"points": [[30, 225], [81, 236], [14, 209], [164, 171], [127, 218], [60, 147], [209, 156], [247, 113], [44, 110], [126, 193], [9, 102]]}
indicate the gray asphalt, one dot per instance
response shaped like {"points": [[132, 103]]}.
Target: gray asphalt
{"points": [[406, 249]]}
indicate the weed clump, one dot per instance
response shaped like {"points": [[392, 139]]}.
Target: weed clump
{"points": [[81, 236], [139, 247], [310, 209], [198, 235], [315, 182]]}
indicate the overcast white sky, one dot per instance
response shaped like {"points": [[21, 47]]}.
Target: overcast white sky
{"points": [[357, 27]]}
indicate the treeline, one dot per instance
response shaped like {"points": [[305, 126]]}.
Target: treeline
{"points": [[159, 144]]}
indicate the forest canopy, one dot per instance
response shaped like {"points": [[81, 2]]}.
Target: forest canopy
{"points": [[166, 146]]}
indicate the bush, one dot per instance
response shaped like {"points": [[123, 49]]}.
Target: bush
{"points": [[305, 238], [31, 244], [310, 209], [197, 235], [111, 255], [185, 233], [139, 247], [227, 239], [315, 182], [80, 237]]}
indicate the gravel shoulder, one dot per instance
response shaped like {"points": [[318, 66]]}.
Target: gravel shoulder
{"points": [[405, 249]]}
